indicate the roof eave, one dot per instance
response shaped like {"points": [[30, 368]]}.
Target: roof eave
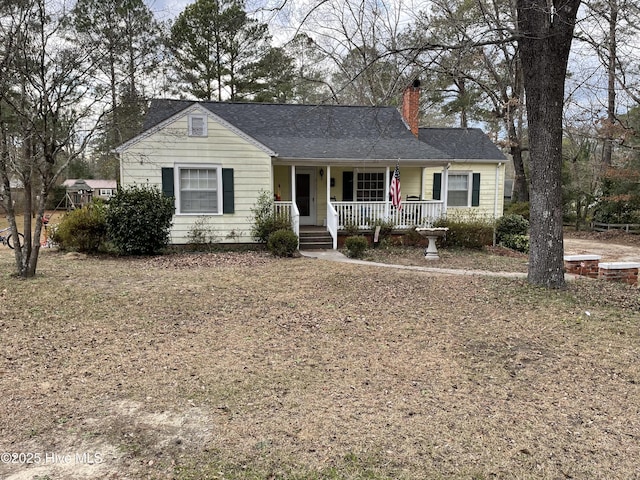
{"points": [[496, 161], [360, 161]]}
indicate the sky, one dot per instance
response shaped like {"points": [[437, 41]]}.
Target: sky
{"points": [[278, 22], [166, 9]]}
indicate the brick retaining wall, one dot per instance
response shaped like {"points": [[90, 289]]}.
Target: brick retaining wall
{"points": [[626, 272], [584, 265], [590, 266]]}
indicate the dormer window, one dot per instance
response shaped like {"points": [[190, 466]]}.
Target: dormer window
{"points": [[197, 125]]}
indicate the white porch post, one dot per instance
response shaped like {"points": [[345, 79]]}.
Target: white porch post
{"points": [[293, 183], [328, 184], [386, 192]]}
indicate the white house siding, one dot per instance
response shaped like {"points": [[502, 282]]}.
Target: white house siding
{"points": [[410, 179], [142, 162], [487, 173]]}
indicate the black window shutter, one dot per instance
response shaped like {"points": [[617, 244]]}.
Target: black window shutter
{"points": [[167, 182], [475, 190], [437, 186], [228, 205]]}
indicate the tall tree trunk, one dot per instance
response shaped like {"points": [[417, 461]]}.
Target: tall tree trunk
{"points": [[545, 34], [607, 150], [521, 184], [462, 94]]}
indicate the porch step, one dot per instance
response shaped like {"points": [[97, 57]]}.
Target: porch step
{"points": [[315, 239]]}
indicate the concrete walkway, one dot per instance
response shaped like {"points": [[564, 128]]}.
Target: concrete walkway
{"points": [[336, 256]]}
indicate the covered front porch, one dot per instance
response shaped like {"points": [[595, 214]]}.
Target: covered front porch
{"points": [[339, 198]]}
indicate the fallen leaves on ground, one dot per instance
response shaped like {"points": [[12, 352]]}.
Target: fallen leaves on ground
{"points": [[297, 368]]}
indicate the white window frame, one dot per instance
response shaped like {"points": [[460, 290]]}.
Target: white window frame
{"points": [[195, 166], [469, 188], [198, 116], [106, 192], [377, 171]]}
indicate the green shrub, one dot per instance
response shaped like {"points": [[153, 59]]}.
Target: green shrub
{"points": [[511, 224], [518, 208], [519, 243], [466, 232], [82, 230], [282, 243], [356, 245], [139, 220], [265, 220]]}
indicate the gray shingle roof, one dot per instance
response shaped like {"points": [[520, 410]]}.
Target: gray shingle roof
{"points": [[462, 143], [315, 131]]}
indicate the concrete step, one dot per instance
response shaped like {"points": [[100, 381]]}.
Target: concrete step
{"points": [[325, 245], [315, 239]]}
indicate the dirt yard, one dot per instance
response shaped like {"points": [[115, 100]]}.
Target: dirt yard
{"points": [[613, 246], [240, 366]]}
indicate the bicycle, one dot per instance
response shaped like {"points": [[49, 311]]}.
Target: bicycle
{"points": [[8, 240]]}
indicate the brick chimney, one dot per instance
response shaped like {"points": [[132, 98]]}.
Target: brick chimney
{"points": [[411, 106]]}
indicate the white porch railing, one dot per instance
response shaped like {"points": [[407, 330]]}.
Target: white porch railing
{"points": [[364, 214], [295, 219], [288, 210]]}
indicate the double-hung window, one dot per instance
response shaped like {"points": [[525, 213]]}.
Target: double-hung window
{"points": [[199, 189], [463, 189], [458, 194]]}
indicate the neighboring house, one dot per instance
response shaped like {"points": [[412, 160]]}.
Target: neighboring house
{"points": [[326, 165], [81, 192]]}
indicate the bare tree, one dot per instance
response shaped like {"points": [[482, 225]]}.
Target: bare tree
{"points": [[608, 35], [480, 72], [360, 40], [45, 103]]}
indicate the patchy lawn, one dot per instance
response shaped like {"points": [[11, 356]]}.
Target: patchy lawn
{"points": [[492, 259], [240, 366]]}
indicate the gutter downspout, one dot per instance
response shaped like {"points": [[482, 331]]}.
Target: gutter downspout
{"points": [[445, 189], [497, 190], [495, 204], [387, 181]]}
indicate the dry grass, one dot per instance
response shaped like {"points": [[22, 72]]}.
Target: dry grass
{"points": [[492, 259], [241, 366]]}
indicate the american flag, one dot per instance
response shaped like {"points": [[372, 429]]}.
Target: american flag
{"points": [[396, 196]]}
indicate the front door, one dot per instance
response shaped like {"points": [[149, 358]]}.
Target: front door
{"points": [[306, 195]]}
